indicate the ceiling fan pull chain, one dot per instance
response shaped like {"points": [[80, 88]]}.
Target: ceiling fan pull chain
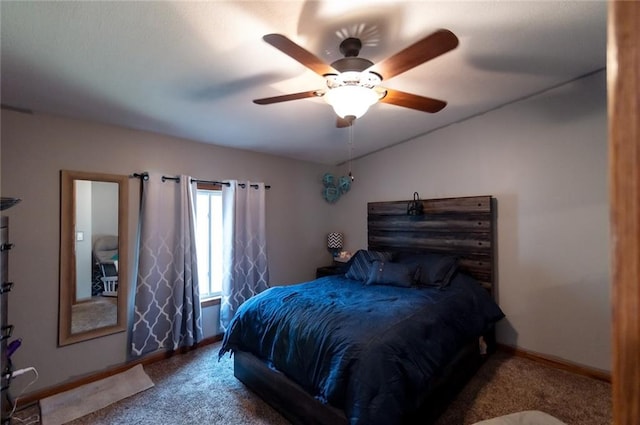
{"points": [[351, 148]]}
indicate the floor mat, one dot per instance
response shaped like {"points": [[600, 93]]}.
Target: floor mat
{"points": [[69, 405]]}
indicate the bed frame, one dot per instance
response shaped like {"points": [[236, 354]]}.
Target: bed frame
{"points": [[464, 227]]}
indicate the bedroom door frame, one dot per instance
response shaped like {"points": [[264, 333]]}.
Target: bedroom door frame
{"points": [[623, 84]]}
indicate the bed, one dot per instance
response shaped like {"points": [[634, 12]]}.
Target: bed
{"points": [[393, 339]]}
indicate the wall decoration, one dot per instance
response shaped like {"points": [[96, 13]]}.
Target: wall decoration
{"points": [[344, 184], [335, 187], [328, 180], [331, 194]]}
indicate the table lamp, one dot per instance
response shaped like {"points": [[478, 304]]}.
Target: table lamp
{"points": [[335, 242]]}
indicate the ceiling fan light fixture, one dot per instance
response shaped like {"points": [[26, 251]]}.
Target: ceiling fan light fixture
{"points": [[351, 100], [351, 93]]}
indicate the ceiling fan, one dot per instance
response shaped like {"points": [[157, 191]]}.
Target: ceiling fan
{"points": [[353, 83]]}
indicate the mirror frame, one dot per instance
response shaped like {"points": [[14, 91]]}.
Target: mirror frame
{"points": [[67, 255]]}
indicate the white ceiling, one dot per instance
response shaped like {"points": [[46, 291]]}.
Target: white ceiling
{"points": [[191, 69]]}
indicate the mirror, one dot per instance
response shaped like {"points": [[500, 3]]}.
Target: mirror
{"points": [[93, 255]]}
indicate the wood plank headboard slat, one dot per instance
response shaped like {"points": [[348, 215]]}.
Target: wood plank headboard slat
{"points": [[434, 224]]}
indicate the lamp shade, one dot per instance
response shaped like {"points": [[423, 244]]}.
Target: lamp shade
{"points": [[335, 240], [351, 100]]}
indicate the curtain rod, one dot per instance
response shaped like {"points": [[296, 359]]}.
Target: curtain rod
{"points": [[145, 176], [210, 182], [242, 185]]}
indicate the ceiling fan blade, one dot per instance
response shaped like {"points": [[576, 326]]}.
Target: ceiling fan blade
{"points": [[418, 53], [299, 53], [345, 122], [413, 101], [287, 97]]}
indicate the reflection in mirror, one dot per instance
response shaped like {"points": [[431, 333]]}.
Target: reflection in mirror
{"points": [[93, 253]]}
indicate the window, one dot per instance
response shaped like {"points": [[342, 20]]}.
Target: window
{"points": [[209, 239]]}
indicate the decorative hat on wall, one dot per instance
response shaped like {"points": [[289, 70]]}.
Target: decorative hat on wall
{"points": [[334, 188]]}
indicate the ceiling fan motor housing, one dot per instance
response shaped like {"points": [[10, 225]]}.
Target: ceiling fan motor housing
{"points": [[353, 78], [351, 68], [351, 64], [350, 46]]}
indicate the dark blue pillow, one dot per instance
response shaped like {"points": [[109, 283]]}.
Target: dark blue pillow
{"points": [[393, 274], [360, 263], [432, 269]]}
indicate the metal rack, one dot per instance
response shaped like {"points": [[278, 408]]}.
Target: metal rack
{"points": [[7, 367]]}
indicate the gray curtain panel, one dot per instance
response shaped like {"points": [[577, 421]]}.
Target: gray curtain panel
{"points": [[245, 270], [167, 312]]}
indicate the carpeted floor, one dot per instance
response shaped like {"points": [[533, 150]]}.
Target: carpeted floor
{"points": [[195, 388], [99, 312], [507, 384]]}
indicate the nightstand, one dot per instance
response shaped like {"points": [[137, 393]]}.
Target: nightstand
{"points": [[330, 270]]}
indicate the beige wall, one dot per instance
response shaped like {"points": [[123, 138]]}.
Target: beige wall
{"points": [[34, 150], [545, 160]]}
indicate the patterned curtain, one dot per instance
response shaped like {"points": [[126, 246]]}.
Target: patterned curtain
{"points": [[245, 271], [167, 312]]}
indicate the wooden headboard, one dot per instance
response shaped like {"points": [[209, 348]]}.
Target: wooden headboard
{"points": [[463, 227]]}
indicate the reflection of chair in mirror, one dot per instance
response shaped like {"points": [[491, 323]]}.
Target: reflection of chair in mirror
{"points": [[105, 253]]}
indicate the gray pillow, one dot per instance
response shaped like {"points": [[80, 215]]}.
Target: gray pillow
{"points": [[360, 263], [393, 274], [432, 269]]}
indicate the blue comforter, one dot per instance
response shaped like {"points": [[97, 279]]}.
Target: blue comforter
{"points": [[368, 350]]}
